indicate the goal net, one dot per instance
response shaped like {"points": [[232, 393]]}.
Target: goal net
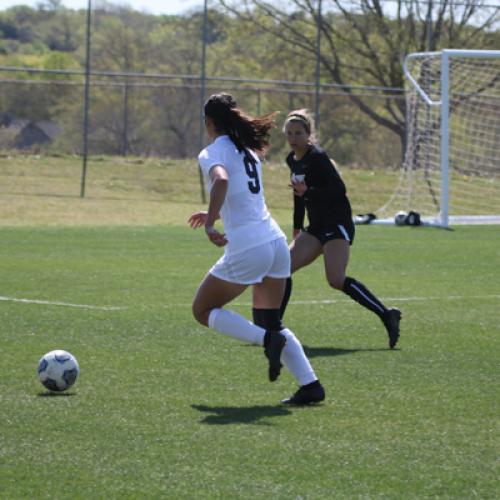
{"points": [[451, 171]]}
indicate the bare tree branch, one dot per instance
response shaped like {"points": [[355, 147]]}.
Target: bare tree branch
{"points": [[365, 41]]}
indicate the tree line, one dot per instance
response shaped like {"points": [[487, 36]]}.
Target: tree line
{"points": [[363, 45]]}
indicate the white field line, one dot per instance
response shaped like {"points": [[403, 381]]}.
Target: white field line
{"points": [[385, 300], [50, 303], [292, 302], [401, 299]]}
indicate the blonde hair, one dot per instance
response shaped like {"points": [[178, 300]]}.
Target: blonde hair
{"points": [[304, 117]]}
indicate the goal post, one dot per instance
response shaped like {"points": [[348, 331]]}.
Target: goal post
{"points": [[451, 170]]}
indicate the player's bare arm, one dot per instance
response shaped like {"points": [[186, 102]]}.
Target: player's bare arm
{"points": [[219, 179], [198, 219]]}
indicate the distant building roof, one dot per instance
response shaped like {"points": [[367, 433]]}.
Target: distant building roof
{"points": [[34, 133]]}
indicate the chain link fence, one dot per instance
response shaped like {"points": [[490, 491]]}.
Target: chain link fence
{"points": [[158, 116]]}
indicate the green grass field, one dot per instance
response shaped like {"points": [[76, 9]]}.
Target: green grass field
{"points": [[165, 408]]}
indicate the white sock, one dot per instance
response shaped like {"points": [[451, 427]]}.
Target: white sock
{"points": [[295, 359], [236, 326]]}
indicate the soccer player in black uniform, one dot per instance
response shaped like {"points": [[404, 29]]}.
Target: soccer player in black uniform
{"points": [[319, 190]]}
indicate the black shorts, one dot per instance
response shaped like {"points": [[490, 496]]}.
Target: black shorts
{"points": [[334, 232]]}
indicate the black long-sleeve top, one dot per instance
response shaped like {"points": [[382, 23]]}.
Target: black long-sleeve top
{"points": [[325, 200]]}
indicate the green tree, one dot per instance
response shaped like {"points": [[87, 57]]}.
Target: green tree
{"points": [[120, 44]]}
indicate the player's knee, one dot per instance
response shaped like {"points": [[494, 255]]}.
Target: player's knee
{"points": [[200, 314], [336, 281]]}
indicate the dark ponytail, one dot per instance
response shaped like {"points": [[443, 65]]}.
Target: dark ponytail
{"points": [[244, 131]]}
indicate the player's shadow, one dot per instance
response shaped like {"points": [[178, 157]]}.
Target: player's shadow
{"points": [[224, 415], [315, 352]]}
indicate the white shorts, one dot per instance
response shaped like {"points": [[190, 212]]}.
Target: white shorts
{"points": [[270, 260]]}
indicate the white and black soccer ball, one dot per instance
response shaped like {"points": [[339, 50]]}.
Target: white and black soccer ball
{"points": [[58, 370], [400, 218]]}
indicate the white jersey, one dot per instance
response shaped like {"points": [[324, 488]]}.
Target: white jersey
{"points": [[247, 221]]}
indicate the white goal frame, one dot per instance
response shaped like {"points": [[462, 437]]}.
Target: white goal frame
{"points": [[443, 218]]}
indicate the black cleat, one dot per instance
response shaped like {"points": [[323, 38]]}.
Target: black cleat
{"points": [[391, 321], [307, 394], [273, 345]]}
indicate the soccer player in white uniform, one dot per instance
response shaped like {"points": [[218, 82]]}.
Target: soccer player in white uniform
{"points": [[255, 248]]}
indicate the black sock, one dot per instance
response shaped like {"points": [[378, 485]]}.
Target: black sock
{"points": [[311, 385], [269, 319], [358, 292], [286, 296]]}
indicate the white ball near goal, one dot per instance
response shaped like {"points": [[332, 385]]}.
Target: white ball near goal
{"points": [[400, 218], [58, 370]]}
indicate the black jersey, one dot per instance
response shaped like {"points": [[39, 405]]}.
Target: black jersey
{"points": [[325, 200]]}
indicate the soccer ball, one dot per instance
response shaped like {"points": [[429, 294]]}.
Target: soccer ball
{"points": [[400, 218], [58, 370]]}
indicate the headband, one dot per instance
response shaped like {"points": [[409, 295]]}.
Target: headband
{"points": [[300, 118]]}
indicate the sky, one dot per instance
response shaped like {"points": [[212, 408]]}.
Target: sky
{"points": [[150, 6]]}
